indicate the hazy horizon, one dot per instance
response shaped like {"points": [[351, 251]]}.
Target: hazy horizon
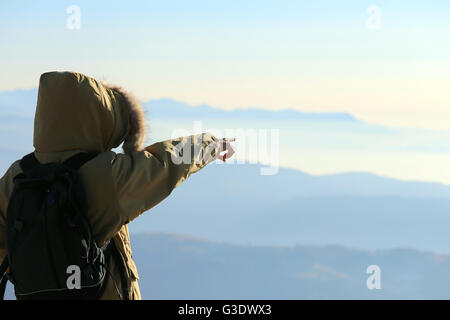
{"points": [[383, 62], [315, 143]]}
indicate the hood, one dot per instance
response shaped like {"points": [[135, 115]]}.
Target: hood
{"points": [[77, 112]]}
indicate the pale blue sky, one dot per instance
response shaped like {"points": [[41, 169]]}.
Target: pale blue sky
{"points": [[307, 55]]}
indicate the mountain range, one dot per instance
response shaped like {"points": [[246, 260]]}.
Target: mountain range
{"points": [[290, 235], [175, 266], [23, 102], [168, 108], [235, 204]]}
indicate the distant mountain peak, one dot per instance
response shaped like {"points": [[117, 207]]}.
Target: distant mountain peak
{"points": [[171, 108], [24, 100]]}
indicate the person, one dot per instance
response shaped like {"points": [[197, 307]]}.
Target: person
{"points": [[77, 113]]}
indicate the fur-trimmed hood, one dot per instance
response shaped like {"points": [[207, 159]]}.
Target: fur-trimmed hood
{"points": [[136, 135], [77, 112]]}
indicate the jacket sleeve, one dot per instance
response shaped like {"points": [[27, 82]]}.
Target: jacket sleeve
{"points": [[145, 178]]}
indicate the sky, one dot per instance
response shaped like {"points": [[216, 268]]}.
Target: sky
{"points": [[384, 62]]}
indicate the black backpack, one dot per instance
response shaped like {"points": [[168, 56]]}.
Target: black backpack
{"points": [[51, 252]]}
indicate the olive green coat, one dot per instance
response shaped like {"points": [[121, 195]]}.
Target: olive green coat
{"points": [[77, 113]]}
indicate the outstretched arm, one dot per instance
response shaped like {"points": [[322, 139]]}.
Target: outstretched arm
{"points": [[145, 178]]}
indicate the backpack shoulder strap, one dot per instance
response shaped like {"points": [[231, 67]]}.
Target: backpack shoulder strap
{"points": [[76, 161], [28, 162]]}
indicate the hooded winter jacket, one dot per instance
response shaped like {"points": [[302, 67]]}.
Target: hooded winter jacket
{"points": [[76, 113]]}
